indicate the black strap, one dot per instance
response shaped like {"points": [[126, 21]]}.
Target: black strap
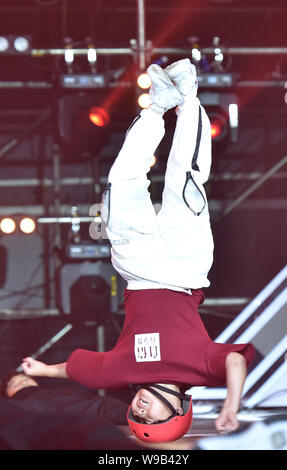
{"points": [[183, 396], [190, 177], [163, 399], [194, 164]]}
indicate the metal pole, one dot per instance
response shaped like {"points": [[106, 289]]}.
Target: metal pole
{"points": [[6, 148], [141, 34], [256, 185], [163, 50], [50, 343]]}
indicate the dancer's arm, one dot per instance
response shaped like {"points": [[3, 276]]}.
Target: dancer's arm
{"points": [[35, 368], [235, 377]]}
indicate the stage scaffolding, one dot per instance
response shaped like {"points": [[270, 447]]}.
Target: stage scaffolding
{"points": [[141, 51]]}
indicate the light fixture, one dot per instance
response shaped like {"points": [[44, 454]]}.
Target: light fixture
{"points": [[8, 225], [4, 44], [83, 81], [153, 162], [233, 121], [99, 116], [144, 81], [12, 44], [218, 126], [222, 109], [92, 55], [21, 44], [196, 54], [215, 80], [69, 56], [84, 124], [27, 225], [144, 100], [218, 55]]}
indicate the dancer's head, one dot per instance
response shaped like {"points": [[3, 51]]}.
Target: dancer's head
{"points": [[163, 416]]}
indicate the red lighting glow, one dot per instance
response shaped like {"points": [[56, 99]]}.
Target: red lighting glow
{"points": [[99, 116], [215, 130]]}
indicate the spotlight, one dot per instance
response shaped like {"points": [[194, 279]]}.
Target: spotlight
{"points": [[154, 161], [92, 55], [218, 55], [99, 116], [4, 44], [84, 125], [222, 109], [144, 81], [144, 100], [7, 225], [69, 56], [21, 44], [215, 130], [218, 127], [196, 54], [233, 121], [10, 44], [27, 225]]}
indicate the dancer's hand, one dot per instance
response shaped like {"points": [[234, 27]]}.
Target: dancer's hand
{"points": [[34, 368], [227, 421]]}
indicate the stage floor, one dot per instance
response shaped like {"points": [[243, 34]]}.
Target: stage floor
{"points": [[253, 433]]}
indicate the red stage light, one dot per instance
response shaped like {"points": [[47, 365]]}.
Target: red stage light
{"points": [[215, 130], [218, 126], [99, 116]]}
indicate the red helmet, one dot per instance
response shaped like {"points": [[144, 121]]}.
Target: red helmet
{"points": [[165, 431]]}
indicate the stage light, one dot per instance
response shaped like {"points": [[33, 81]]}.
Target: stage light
{"points": [[27, 225], [153, 162], [144, 100], [144, 81], [215, 80], [99, 116], [84, 125], [215, 130], [92, 55], [218, 57], [7, 225], [222, 109], [233, 121], [4, 44], [21, 44], [196, 54], [11, 44], [233, 115], [69, 56], [218, 127], [85, 291], [83, 81]]}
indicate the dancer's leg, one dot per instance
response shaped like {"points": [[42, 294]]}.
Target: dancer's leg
{"points": [[131, 212], [129, 215], [184, 218]]}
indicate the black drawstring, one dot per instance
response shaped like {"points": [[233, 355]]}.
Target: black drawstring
{"points": [[190, 177], [194, 166]]}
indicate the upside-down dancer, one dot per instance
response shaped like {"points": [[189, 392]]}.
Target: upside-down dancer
{"points": [[164, 348]]}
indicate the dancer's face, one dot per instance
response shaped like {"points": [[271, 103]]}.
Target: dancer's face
{"points": [[149, 408]]}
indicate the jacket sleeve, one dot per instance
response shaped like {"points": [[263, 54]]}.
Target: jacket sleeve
{"points": [[202, 157], [86, 368]]}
